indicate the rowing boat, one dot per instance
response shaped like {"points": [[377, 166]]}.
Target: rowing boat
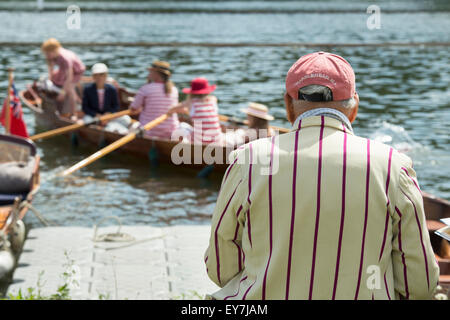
{"points": [[45, 109], [19, 182]]}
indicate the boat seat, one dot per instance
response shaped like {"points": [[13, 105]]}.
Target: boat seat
{"points": [[8, 198]]}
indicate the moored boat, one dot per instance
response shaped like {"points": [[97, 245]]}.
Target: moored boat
{"points": [[435, 210], [19, 182]]}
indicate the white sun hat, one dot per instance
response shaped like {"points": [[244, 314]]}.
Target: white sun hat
{"points": [[258, 110], [99, 68]]}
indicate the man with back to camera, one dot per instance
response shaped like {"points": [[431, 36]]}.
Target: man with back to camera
{"points": [[331, 215]]}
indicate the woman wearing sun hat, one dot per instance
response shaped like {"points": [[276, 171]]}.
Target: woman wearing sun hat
{"points": [[203, 111], [258, 118], [155, 98]]}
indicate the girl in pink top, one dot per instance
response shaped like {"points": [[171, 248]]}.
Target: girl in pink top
{"points": [[155, 98], [203, 110]]}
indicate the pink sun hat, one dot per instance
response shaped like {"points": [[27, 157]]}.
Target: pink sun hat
{"points": [[322, 68], [199, 86]]}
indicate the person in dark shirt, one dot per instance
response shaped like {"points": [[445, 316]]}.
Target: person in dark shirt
{"points": [[100, 97]]}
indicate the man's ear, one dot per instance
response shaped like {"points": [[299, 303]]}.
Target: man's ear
{"points": [[354, 111], [289, 108]]}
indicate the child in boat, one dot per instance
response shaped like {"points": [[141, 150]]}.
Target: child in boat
{"points": [[202, 108], [258, 119], [155, 98], [66, 77], [100, 98]]}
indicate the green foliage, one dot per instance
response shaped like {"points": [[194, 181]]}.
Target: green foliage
{"points": [[62, 292], [104, 296], [191, 295]]}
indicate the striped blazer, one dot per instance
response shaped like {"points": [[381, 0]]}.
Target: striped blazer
{"points": [[319, 213]]}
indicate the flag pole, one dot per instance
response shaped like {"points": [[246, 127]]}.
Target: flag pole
{"points": [[8, 102]]}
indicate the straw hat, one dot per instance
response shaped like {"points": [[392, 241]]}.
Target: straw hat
{"points": [[161, 66], [258, 110]]}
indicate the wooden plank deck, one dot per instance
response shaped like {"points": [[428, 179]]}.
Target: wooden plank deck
{"points": [[161, 263]]}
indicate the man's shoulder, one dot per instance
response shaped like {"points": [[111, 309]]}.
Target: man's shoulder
{"points": [[259, 144], [384, 151], [255, 147]]}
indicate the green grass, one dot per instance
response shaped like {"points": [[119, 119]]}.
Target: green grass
{"points": [[61, 293]]}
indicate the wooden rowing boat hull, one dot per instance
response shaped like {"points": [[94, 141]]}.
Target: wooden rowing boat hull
{"points": [[5, 210], [14, 206]]}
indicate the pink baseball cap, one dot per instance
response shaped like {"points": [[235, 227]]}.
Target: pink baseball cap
{"points": [[322, 68]]}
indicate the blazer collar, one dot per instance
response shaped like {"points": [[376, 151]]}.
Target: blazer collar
{"points": [[319, 120]]}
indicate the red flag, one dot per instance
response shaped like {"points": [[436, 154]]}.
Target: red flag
{"points": [[17, 125]]}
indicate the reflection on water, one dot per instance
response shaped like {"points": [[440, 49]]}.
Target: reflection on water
{"points": [[403, 91]]}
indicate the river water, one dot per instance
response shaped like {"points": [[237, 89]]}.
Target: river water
{"points": [[404, 89]]}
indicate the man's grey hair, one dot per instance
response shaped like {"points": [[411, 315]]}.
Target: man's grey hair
{"points": [[327, 94]]}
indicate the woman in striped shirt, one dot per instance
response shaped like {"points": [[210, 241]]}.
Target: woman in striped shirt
{"points": [[203, 111], [155, 98]]}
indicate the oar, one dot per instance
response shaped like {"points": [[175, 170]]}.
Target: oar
{"points": [[76, 126], [115, 145], [244, 122]]}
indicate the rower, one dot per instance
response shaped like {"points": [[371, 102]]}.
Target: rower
{"points": [[155, 98], [66, 78], [101, 98]]}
